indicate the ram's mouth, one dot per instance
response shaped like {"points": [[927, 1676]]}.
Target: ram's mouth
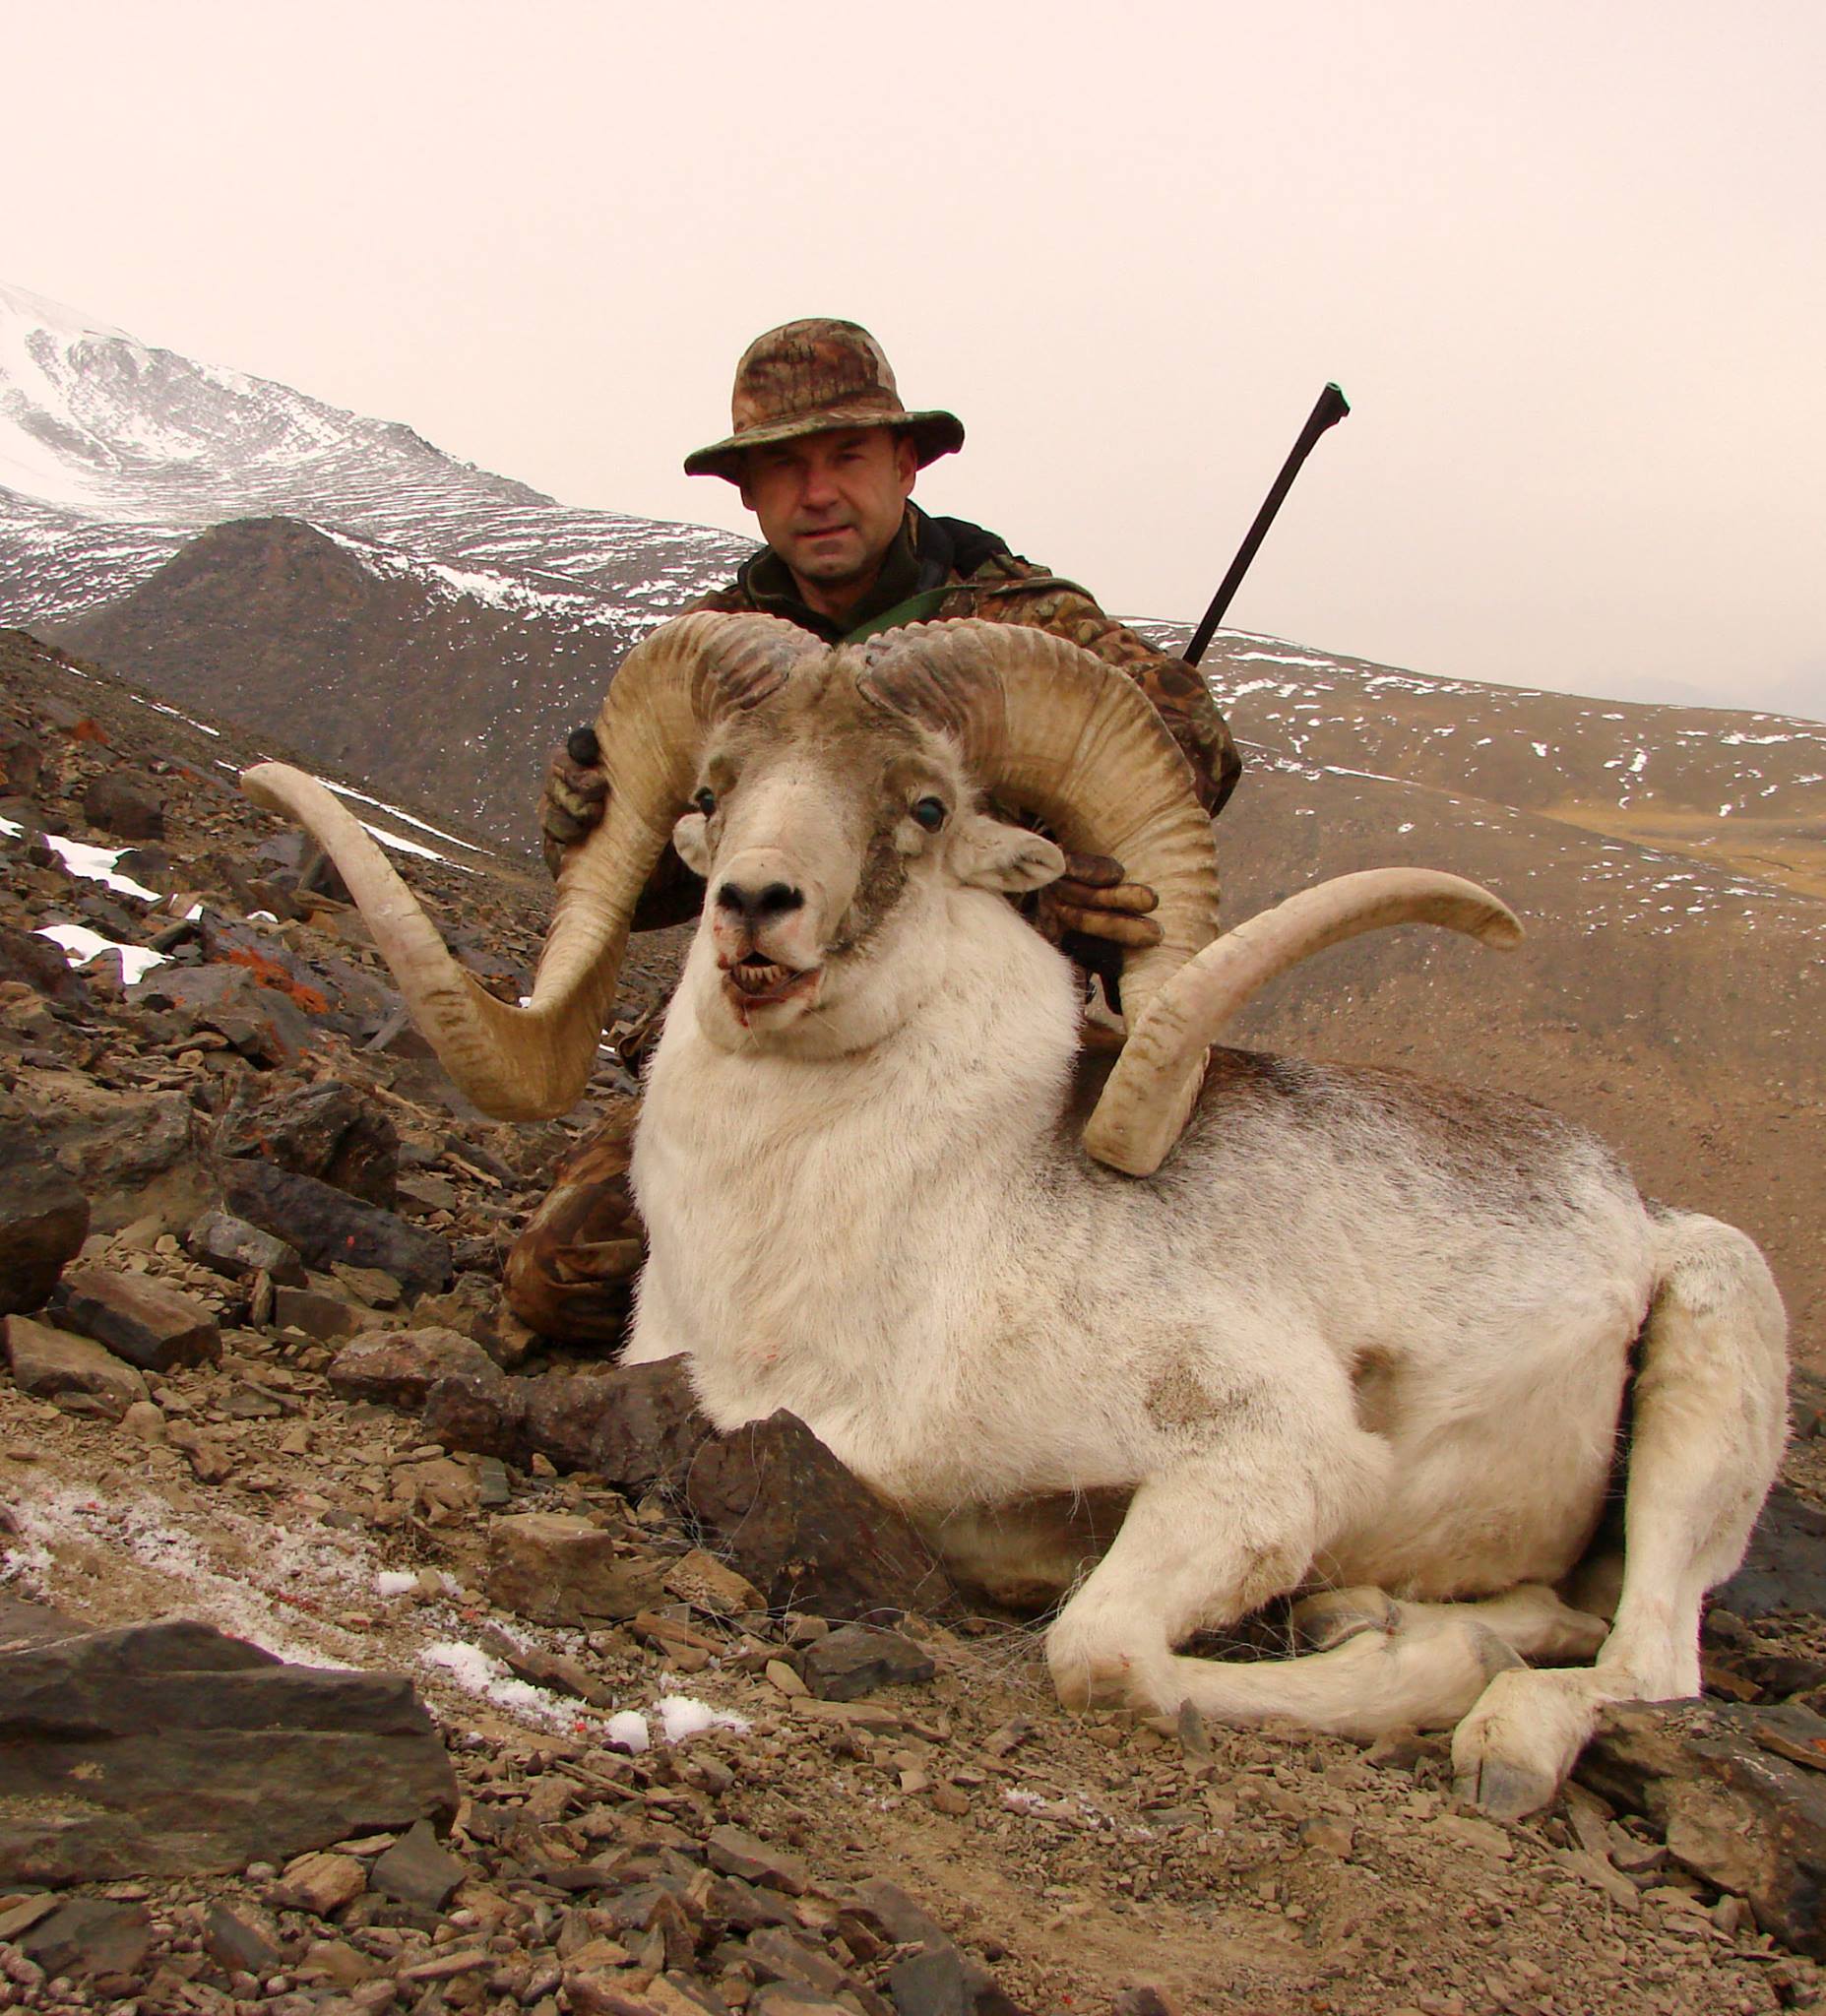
{"points": [[757, 982]]}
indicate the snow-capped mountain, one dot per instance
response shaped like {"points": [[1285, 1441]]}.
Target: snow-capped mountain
{"points": [[112, 454], [391, 612]]}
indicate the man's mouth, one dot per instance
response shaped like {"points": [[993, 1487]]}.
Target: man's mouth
{"points": [[757, 982]]}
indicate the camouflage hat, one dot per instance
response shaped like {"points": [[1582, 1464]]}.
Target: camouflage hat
{"points": [[812, 377]]}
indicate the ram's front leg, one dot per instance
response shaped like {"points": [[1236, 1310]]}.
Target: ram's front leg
{"points": [[1214, 1535], [1209, 1537]]}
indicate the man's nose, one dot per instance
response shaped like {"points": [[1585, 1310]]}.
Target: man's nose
{"points": [[818, 487]]}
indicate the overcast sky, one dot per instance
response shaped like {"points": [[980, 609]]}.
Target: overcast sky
{"points": [[1569, 261]]}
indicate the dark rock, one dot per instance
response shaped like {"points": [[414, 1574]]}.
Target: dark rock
{"points": [[326, 1224], [781, 1955], [646, 1426], [562, 1569], [88, 1936], [233, 1941], [793, 1998], [1785, 1568], [41, 964], [400, 1367], [270, 1025], [416, 1870], [806, 1531], [570, 1422], [942, 1982], [141, 1320], [888, 1909], [23, 771], [127, 1153], [323, 1130], [230, 1246], [129, 807], [169, 1749], [1734, 1810], [857, 1659], [470, 1414], [739, 1904], [1143, 2002], [739, 1853], [43, 1221], [325, 1317], [73, 1372]]}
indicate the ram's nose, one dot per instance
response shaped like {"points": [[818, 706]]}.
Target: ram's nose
{"points": [[754, 903]]}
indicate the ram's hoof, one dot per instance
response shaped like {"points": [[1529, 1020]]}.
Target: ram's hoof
{"points": [[1333, 1617]]}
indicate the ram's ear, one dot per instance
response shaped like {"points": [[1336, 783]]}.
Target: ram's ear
{"points": [[986, 855], [691, 836]]}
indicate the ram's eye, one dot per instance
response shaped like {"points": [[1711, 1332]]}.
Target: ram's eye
{"points": [[929, 813], [705, 799]]}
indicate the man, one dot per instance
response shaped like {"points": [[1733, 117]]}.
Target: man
{"points": [[824, 454]]}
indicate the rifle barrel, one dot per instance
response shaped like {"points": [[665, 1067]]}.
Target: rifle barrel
{"points": [[1331, 408]]}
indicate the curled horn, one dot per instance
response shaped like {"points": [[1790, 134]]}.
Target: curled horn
{"points": [[1059, 733], [1149, 1095], [529, 1063], [1049, 727]]}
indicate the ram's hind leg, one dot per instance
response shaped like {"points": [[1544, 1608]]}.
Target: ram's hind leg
{"points": [[1704, 1446], [1531, 1619]]}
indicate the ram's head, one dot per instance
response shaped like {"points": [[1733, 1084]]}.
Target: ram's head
{"points": [[871, 761]]}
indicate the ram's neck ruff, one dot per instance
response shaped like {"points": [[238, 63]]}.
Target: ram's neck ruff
{"points": [[898, 1164]]}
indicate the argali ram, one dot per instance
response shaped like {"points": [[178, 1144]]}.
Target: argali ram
{"points": [[1167, 1339]]}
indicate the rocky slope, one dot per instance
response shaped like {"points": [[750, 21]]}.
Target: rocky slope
{"points": [[264, 1380]]}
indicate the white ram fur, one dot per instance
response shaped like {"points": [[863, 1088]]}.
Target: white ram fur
{"points": [[1359, 1335]]}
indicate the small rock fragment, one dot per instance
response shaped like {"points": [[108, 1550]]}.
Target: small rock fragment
{"points": [[699, 1578], [562, 1569], [739, 1853], [230, 1246], [857, 1658], [232, 1941], [416, 1870], [322, 1882], [399, 1366]]}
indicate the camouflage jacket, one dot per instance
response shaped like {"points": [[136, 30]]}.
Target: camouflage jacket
{"points": [[944, 567]]}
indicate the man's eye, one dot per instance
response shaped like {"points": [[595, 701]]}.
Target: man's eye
{"points": [[929, 813], [705, 799]]}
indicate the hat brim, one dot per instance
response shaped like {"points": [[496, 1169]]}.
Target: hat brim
{"points": [[933, 434]]}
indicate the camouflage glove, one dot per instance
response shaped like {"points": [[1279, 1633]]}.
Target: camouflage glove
{"points": [[575, 796], [1091, 900]]}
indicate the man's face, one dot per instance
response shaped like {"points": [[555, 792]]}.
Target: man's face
{"points": [[830, 504]]}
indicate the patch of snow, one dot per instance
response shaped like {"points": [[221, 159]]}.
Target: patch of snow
{"points": [[628, 1732], [401, 844], [345, 791], [96, 864], [478, 1672], [681, 1716], [395, 1581], [81, 945], [202, 727]]}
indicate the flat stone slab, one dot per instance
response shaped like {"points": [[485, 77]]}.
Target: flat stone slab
{"points": [[73, 1372], [150, 1325], [172, 1750]]}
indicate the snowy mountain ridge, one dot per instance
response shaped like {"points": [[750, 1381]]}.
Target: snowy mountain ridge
{"points": [[114, 453], [252, 551]]}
